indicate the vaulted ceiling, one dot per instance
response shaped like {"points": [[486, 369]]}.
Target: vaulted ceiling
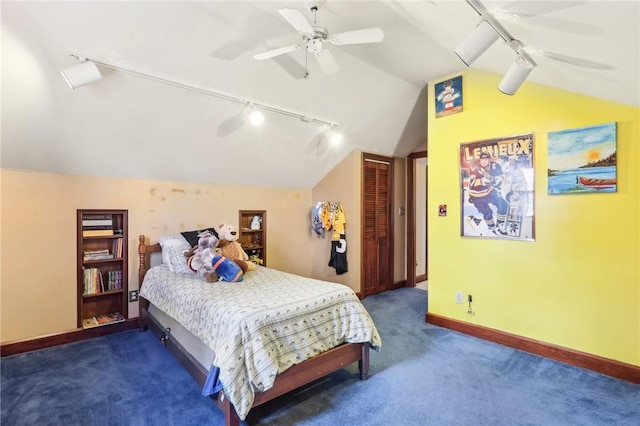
{"points": [[130, 126]]}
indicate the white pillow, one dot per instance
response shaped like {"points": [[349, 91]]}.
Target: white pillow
{"points": [[173, 248]]}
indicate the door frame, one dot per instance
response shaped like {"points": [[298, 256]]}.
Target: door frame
{"points": [[411, 217]]}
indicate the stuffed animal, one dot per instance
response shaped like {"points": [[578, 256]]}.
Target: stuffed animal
{"points": [[206, 240], [227, 269], [206, 261], [201, 262], [231, 248], [200, 257]]}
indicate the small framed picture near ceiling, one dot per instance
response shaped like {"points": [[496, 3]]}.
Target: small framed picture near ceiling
{"points": [[583, 160], [448, 96]]}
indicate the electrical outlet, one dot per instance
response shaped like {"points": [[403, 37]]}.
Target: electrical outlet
{"points": [[133, 296], [458, 297]]}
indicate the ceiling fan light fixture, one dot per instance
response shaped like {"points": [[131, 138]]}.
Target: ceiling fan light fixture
{"points": [[78, 75], [516, 75], [476, 43]]}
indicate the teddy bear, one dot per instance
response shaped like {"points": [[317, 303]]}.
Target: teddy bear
{"points": [[231, 248]]}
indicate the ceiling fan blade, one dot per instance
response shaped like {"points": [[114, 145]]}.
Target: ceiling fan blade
{"points": [[530, 9], [327, 62], [297, 20], [276, 52], [577, 61], [585, 63], [534, 13], [367, 35]]}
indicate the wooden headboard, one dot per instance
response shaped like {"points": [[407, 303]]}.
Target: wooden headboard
{"points": [[144, 254]]}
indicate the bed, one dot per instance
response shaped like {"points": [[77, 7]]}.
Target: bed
{"points": [[247, 343]]}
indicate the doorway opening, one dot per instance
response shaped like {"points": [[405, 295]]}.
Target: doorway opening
{"points": [[417, 272]]}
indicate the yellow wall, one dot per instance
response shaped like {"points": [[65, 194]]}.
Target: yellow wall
{"points": [[38, 216], [578, 284]]}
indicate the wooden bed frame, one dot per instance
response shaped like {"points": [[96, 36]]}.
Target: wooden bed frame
{"points": [[293, 378]]}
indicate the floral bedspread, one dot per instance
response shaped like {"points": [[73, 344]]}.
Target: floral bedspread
{"points": [[263, 325]]}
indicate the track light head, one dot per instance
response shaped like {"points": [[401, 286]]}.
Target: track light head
{"points": [[333, 136], [83, 73], [516, 75], [476, 43], [256, 117], [336, 138]]}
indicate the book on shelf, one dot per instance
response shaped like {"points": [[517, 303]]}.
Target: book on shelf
{"points": [[109, 318], [93, 283], [97, 232], [114, 280], [103, 319], [117, 248], [96, 227], [97, 255], [90, 322], [96, 216], [97, 222], [96, 252]]}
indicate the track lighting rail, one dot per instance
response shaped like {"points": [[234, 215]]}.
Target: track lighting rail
{"points": [[209, 92]]}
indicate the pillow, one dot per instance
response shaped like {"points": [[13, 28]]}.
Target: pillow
{"points": [[192, 236], [173, 248]]}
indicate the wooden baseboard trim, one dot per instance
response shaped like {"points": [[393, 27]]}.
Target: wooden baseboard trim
{"points": [[421, 277], [399, 284], [69, 336], [610, 367]]}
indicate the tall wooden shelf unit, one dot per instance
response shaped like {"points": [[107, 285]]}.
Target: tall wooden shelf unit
{"points": [[102, 271], [253, 241]]}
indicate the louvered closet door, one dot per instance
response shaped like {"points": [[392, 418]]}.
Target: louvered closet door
{"points": [[377, 256]]}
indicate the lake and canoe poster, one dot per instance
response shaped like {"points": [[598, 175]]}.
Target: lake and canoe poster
{"points": [[583, 160]]}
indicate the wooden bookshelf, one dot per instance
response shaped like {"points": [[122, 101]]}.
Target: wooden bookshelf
{"points": [[253, 241], [102, 267]]}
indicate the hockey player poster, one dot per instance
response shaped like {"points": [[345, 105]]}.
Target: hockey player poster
{"points": [[496, 177]]}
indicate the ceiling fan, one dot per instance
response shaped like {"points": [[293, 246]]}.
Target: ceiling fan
{"points": [[313, 37], [521, 12]]}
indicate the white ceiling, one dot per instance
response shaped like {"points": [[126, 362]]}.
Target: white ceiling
{"points": [[129, 126]]}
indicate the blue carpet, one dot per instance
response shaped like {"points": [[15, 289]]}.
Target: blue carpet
{"points": [[424, 375]]}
